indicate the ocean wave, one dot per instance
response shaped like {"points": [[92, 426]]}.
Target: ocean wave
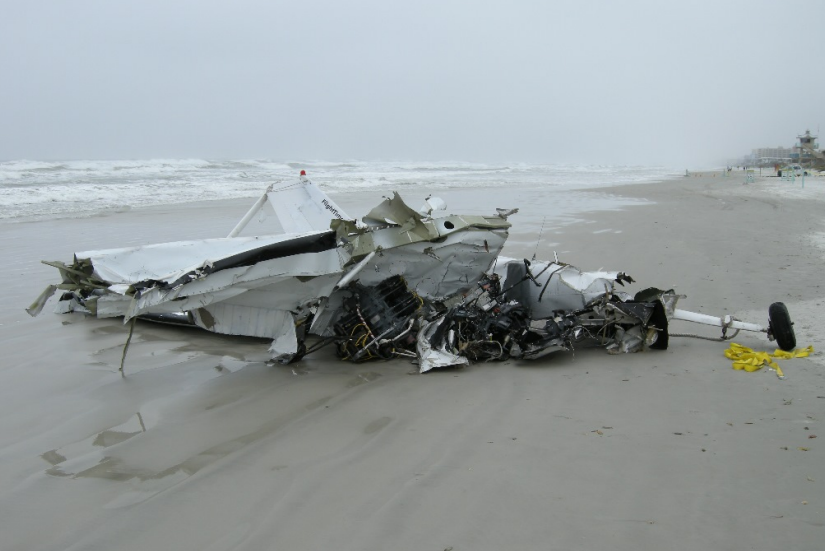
{"points": [[79, 187]]}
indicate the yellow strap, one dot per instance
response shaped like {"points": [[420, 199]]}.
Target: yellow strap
{"points": [[750, 360]]}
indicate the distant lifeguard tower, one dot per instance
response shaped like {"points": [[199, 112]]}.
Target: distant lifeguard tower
{"points": [[809, 150]]}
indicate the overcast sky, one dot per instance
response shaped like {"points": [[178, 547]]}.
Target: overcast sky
{"points": [[610, 82]]}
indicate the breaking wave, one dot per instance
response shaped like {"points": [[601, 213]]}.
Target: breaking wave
{"points": [[79, 188]]}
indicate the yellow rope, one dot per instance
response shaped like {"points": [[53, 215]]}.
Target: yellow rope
{"points": [[750, 360]]}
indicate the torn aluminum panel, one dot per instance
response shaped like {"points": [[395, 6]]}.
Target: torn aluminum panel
{"points": [[553, 286], [436, 347], [37, 306], [439, 258]]}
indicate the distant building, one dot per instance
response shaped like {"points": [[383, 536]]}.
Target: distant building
{"points": [[767, 154], [804, 152]]}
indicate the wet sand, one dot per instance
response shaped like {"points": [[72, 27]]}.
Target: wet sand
{"points": [[204, 445]]}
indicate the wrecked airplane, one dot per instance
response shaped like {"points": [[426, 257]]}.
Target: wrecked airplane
{"points": [[423, 284]]}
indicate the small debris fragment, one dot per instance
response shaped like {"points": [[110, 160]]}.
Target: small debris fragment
{"points": [[784, 448], [788, 402], [804, 503], [678, 433], [811, 436], [597, 432], [800, 448], [704, 450], [607, 427], [810, 479], [730, 424]]}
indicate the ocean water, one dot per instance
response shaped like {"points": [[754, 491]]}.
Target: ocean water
{"points": [[35, 189]]}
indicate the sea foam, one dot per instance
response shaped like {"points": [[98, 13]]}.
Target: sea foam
{"points": [[37, 189]]}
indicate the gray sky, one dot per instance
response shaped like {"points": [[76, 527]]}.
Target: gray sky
{"points": [[610, 82]]}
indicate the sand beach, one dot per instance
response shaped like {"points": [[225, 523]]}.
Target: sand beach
{"points": [[205, 445]]}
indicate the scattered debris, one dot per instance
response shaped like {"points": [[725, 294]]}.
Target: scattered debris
{"points": [[424, 285]]}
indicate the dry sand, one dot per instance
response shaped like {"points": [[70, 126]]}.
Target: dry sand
{"points": [[205, 446]]}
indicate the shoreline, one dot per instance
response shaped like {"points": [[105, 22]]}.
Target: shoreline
{"points": [[406, 189], [578, 449]]}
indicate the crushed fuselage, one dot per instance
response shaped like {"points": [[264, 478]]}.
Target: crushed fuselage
{"points": [[421, 284]]}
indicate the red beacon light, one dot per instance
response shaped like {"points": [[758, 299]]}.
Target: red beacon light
{"points": [[303, 173]]}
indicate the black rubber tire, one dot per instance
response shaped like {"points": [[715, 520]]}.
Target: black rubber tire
{"points": [[781, 326]]}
